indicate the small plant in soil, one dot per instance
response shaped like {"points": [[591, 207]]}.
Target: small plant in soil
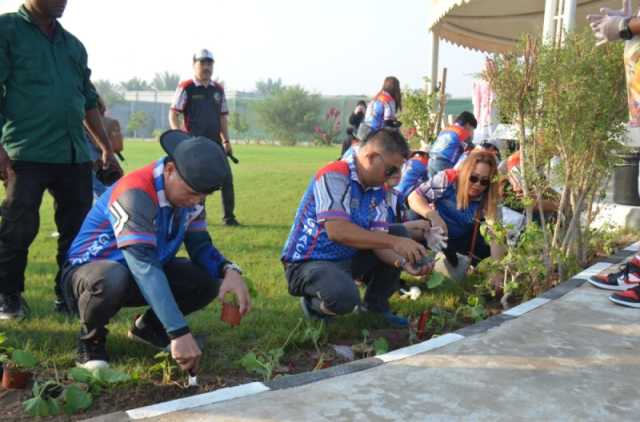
{"points": [[364, 349], [17, 368], [265, 363], [165, 365], [473, 310]]}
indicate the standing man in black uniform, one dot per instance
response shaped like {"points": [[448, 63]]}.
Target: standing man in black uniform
{"points": [[203, 105]]}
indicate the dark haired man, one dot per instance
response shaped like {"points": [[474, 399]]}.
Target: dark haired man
{"points": [[203, 104], [451, 143], [341, 232], [46, 94]]}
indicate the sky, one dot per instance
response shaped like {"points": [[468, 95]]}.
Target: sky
{"points": [[331, 47]]}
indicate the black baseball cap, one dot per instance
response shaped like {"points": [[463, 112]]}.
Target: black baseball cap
{"points": [[201, 162]]}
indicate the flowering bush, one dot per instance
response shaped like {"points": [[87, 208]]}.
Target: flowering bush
{"points": [[328, 131]]}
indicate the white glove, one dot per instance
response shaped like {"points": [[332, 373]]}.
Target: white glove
{"points": [[413, 293], [625, 12], [435, 238]]}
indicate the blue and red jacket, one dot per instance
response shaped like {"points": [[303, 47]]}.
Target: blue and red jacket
{"points": [[414, 173], [450, 144], [335, 192]]}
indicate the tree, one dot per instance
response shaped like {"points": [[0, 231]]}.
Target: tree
{"points": [[138, 120], [238, 122], [135, 84], [289, 113], [269, 87], [568, 102], [108, 91], [418, 115], [165, 81]]}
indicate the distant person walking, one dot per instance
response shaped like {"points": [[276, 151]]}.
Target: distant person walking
{"points": [[47, 95], [203, 105], [382, 109]]}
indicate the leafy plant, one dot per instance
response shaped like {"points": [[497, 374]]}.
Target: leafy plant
{"points": [[381, 346], [474, 309], [99, 379], [46, 399], [265, 363], [165, 366], [435, 280], [418, 115], [328, 132], [288, 113], [313, 332], [20, 359]]}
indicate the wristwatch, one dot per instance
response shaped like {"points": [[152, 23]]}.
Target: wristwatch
{"points": [[625, 32], [231, 266]]}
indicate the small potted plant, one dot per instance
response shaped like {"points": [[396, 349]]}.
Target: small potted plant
{"points": [[230, 310], [364, 349], [17, 369]]}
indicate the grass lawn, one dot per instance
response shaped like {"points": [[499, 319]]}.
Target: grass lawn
{"points": [[269, 182]]}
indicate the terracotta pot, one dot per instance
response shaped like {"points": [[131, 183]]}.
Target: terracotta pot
{"points": [[13, 378], [230, 314]]}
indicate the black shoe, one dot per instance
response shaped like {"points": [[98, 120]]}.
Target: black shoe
{"points": [[13, 306], [92, 353], [148, 335], [231, 222]]}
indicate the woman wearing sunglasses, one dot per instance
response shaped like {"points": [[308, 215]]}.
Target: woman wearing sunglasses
{"points": [[460, 198]]}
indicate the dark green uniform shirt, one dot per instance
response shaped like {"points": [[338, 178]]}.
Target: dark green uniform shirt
{"points": [[44, 92]]}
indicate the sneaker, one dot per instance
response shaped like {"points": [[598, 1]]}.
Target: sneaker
{"points": [[231, 222], [393, 319], [630, 298], [92, 353], [310, 313], [148, 335], [621, 280], [13, 306]]}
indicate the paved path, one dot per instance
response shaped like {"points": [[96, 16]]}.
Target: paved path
{"points": [[576, 358]]}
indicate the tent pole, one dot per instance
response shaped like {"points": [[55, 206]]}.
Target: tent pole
{"points": [[549, 28], [569, 16], [435, 52]]}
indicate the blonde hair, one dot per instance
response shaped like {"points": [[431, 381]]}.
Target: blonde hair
{"points": [[491, 193]]}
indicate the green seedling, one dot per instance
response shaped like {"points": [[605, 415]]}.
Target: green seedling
{"points": [[165, 366], [265, 363], [19, 359], [46, 399]]}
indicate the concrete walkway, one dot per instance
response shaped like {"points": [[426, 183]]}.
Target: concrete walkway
{"points": [[575, 358]]}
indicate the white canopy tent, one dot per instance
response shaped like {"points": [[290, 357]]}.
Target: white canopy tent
{"points": [[496, 26]]}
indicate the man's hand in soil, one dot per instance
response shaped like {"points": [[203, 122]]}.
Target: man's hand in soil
{"points": [[417, 271], [6, 171], [186, 353], [233, 283], [409, 249]]}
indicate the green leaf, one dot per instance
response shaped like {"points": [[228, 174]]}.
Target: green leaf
{"points": [[36, 407], [381, 345], [75, 399], [435, 280], [80, 374], [23, 359], [251, 363], [54, 407], [110, 376], [162, 355]]}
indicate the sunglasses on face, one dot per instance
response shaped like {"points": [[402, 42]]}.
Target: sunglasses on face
{"points": [[484, 181], [389, 170]]}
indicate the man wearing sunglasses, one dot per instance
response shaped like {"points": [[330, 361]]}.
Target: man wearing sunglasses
{"points": [[125, 253], [341, 232]]}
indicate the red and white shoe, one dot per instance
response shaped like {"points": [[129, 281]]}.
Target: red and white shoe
{"points": [[621, 280], [630, 298]]}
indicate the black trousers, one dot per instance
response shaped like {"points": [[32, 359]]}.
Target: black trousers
{"points": [[71, 188], [228, 199], [98, 290]]}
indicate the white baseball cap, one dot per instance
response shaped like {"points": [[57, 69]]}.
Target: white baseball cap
{"points": [[203, 54]]}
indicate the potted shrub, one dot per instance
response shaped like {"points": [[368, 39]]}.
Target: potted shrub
{"points": [[17, 369], [230, 310]]}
